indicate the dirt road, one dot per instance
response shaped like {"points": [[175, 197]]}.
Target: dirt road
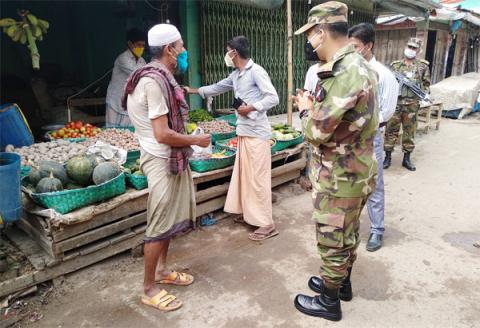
{"points": [[426, 275]]}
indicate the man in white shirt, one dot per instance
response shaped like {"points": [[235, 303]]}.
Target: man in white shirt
{"points": [[127, 62], [362, 37]]}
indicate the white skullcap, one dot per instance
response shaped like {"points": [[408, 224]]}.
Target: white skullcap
{"points": [[163, 34]]}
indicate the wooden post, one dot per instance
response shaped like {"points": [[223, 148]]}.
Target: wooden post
{"points": [[289, 64]]}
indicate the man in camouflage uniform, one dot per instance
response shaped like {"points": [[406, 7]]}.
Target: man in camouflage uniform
{"points": [[416, 70], [340, 121]]}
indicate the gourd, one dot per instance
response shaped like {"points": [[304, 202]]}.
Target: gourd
{"points": [[79, 169], [105, 172], [49, 184]]}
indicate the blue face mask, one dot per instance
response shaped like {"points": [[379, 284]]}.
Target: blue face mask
{"points": [[182, 62]]}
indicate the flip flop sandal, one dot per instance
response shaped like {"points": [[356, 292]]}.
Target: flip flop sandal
{"points": [[255, 236], [161, 301], [239, 220], [177, 278]]}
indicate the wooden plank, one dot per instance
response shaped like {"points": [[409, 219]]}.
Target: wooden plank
{"points": [[127, 208], [45, 244], [99, 233], [285, 178], [299, 164], [94, 247], [38, 276], [212, 192], [211, 205], [140, 229], [37, 223], [29, 247], [122, 237]]}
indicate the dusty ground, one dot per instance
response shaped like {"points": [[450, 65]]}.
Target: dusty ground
{"points": [[427, 274]]}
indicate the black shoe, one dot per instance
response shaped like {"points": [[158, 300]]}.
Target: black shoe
{"points": [[407, 163], [326, 305], [374, 242], [345, 293], [388, 160]]}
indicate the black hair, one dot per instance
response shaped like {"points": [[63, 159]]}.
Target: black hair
{"points": [[338, 29], [241, 45], [157, 52], [365, 32], [135, 34]]}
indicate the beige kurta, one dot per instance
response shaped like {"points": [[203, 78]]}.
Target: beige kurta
{"points": [[250, 190]]}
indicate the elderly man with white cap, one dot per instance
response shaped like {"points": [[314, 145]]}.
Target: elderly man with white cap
{"points": [[157, 108]]}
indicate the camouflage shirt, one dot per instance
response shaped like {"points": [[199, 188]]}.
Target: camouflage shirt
{"points": [[342, 127], [418, 72]]}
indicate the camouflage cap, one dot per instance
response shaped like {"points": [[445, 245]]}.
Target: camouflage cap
{"points": [[325, 13], [415, 42]]}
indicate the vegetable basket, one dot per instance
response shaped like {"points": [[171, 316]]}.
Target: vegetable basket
{"points": [[284, 144], [68, 200], [138, 182], [231, 119], [223, 144], [210, 164], [50, 138], [223, 136]]}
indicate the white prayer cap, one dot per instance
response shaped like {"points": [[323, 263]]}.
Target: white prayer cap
{"points": [[163, 34]]}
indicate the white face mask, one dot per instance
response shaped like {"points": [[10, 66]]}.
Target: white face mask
{"points": [[229, 60], [410, 53]]}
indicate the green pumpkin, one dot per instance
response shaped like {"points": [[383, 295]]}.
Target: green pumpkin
{"points": [[35, 176], [105, 172], [80, 169], [59, 172], [49, 184], [95, 160]]}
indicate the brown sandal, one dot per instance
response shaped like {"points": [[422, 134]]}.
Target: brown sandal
{"points": [[177, 278], [258, 236]]}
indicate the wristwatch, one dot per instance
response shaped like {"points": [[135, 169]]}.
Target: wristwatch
{"points": [[303, 113]]}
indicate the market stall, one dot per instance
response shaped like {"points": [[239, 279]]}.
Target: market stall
{"points": [[96, 215]]}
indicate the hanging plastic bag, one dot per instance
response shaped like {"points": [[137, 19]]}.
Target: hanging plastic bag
{"points": [[197, 150]]}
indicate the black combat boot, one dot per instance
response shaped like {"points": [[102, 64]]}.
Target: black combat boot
{"points": [[345, 294], [388, 159], [325, 305], [407, 163]]}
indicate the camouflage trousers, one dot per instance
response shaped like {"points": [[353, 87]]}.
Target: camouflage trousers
{"points": [[338, 223], [405, 116]]}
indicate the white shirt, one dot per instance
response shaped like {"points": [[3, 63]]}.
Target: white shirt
{"points": [[311, 79], [387, 90], [124, 65], [147, 102], [254, 87]]}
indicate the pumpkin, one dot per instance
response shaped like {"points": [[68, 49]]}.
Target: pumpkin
{"points": [[49, 184], [59, 172], [79, 169], [95, 160], [35, 176], [105, 172]]}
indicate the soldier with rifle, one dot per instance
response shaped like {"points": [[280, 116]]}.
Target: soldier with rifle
{"points": [[413, 76]]}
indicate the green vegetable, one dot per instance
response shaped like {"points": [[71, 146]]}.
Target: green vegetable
{"points": [[199, 115], [49, 184], [80, 169], [104, 172]]}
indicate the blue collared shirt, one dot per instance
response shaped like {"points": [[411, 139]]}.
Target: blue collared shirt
{"points": [[254, 87]]}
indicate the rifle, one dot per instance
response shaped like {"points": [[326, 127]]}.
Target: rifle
{"points": [[403, 80]]}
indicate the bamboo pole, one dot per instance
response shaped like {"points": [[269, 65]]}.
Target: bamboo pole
{"points": [[289, 64]]}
